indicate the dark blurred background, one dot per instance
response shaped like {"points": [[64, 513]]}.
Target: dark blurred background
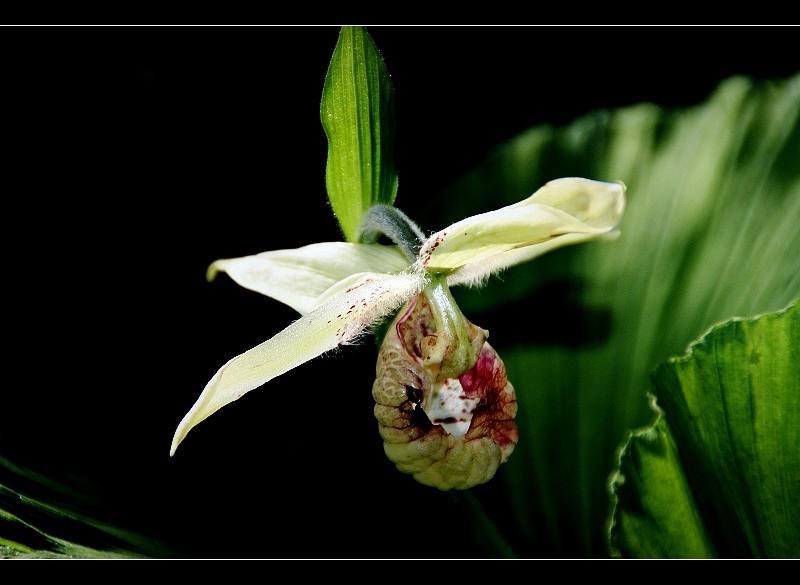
{"points": [[135, 156]]}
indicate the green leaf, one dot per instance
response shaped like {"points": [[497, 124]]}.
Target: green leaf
{"points": [[710, 232], [655, 514], [358, 114], [734, 404], [53, 525], [729, 483]]}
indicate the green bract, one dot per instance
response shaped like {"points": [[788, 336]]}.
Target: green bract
{"points": [[341, 289], [358, 116]]}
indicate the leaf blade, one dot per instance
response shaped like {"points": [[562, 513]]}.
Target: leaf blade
{"points": [[734, 402], [654, 512], [358, 115]]}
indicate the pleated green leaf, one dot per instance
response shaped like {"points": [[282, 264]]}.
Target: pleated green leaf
{"points": [[734, 403], [710, 233], [358, 114], [655, 514]]}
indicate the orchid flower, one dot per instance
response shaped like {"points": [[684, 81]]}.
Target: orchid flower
{"points": [[432, 359]]}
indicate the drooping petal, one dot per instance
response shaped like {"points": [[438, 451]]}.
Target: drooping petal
{"points": [[341, 320], [299, 277], [565, 211], [341, 287]]}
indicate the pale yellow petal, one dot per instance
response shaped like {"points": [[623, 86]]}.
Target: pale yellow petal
{"points": [[563, 212], [475, 273], [595, 203], [298, 277], [340, 288], [341, 320]]}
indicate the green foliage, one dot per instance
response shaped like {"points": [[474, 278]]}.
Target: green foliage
{"points": [[710, 233], [728, 484], [655, 515], [47, 528], [734, 404], [358, 114]]}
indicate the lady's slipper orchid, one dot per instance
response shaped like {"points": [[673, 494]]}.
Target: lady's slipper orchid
{"points": [[432, 356]]}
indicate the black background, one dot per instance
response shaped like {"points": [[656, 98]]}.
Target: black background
{"points": [[135, 156]]}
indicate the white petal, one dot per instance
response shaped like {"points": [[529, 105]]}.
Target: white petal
{"points": [[339, 321], [565, 211], [340, 288], [298, 277]]}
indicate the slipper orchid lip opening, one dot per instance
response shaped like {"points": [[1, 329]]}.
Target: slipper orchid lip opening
{"points": [[341, 289]]}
